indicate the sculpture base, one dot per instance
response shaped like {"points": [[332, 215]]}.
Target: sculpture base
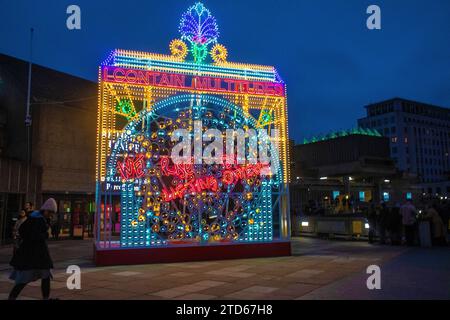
{"points": [[183, 253]]}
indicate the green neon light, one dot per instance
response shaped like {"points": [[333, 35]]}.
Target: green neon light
{"points": [[344, 133], [126, 109]]}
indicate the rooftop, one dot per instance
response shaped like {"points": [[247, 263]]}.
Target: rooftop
{"points": [[342, 133]]}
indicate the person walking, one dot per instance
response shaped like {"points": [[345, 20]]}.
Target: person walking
{"points": [[437, 226], [394, 225], [29, 208], [55, 226], [32, 260], [408, 213], [382, 222], [372, 219]]}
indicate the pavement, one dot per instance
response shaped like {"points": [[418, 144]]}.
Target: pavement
{"points": [[317, 269]]}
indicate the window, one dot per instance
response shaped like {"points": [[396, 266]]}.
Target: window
{"points": [[394, 139], [385, 196], [408, 196], [336, 194], [362, 196]]}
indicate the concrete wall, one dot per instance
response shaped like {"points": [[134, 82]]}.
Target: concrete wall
{"points": [[65, 147]]}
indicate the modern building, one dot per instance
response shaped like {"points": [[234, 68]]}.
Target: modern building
{"points": [[62, 142], [343, 171], [419, 136]]}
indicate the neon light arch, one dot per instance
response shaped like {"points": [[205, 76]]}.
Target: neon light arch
{"points": [[137, 89], [240, 211]]}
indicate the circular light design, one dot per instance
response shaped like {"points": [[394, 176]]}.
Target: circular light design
{"points": [[178, 49], [219, 53]]}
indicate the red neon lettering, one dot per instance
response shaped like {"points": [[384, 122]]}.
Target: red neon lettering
{"points": [[131, 76], [134, 76], [165, 81], [131, 168]]}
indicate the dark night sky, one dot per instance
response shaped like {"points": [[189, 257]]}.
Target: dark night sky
{"points": [[332, 63]]}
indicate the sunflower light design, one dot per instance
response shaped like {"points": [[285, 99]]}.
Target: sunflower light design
{"points": [[219, 53], [178, 49]]}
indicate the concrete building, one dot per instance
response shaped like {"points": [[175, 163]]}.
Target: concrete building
{"points": [[419, 136], [344, 171], [63, 142]]}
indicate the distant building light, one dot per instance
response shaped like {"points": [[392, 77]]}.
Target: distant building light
{"points": [[362, 196], [298, 178], [366, 226], [387, 181], [350, 178], [305, 224], [408, 196], [336, 194], [323, 178]]}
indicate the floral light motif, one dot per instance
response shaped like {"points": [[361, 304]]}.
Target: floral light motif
{"points": [[200, 29], [199, 26]]}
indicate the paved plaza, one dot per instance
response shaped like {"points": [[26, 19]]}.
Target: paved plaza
{"points": [[318, 269]]}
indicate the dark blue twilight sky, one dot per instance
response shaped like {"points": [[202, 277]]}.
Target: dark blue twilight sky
{"points": [[332, 63]]}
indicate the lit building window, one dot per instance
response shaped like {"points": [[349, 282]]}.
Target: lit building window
{"points": [[362, 196]]}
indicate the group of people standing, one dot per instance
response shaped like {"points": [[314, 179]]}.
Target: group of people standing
{"points": [[391, 224], [31, 258]]}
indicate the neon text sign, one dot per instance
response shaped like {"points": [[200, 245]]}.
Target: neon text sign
{"points": [[199, 83]]}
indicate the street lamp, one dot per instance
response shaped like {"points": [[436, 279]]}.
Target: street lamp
{"points": [[28, 119]]}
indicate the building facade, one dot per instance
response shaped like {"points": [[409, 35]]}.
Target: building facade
{"points": [[344, 171], [62, 143], [419, 137]]}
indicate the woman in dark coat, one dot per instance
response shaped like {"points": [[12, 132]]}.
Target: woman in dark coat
{"points": [[32, 261]]}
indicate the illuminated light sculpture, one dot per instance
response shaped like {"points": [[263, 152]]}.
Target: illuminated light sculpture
{"points": [[226, 209]]}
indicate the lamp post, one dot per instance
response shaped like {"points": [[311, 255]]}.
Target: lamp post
{"points": [[28, 119]]}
